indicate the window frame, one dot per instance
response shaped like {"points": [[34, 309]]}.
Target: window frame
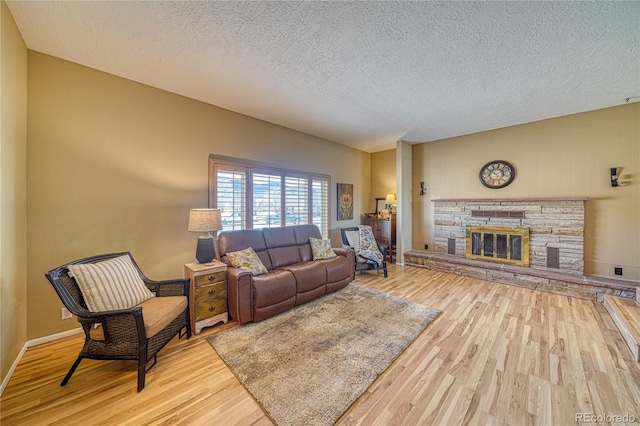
{"points": [[249, 168]]}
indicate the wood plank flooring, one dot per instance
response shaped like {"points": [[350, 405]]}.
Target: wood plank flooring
{"points": [[497, 354]]}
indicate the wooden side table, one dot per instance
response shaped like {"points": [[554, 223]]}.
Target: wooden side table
{"points": [[207, 294]]}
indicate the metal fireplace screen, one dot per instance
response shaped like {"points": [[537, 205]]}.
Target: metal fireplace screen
{"points": [[498, 244]]}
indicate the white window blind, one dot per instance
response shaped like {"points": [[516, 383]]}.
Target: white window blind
{"points": [[320, 205], [252, 195], [296, 200], [267, 200], [231, 187]]}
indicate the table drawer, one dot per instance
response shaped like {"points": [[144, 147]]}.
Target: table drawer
{"points": [[210, 278], [210, 308], [212, 291]]}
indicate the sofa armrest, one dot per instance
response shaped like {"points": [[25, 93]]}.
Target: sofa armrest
{"points": [[350, 254], [342, 251], [240, 294], [347, 252]]}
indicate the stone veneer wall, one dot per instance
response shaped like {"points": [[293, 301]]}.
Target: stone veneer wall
{"points": [[555, 223]]}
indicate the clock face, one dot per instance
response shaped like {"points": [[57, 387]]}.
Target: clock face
{"points": [[497, 174]]}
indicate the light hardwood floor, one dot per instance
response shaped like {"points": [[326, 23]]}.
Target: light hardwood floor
{"points": [[497, 354]]}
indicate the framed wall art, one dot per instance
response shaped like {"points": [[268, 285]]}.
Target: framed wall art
{"points": [[345, 201]]}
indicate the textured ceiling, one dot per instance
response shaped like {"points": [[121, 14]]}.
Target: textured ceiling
{"points": [[364, 74]]}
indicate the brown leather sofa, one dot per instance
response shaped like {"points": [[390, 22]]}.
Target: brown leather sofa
{"points": [[293, 277]]}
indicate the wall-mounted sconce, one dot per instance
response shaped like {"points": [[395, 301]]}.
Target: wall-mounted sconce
{"points": [[422, 190], [614, 176]]}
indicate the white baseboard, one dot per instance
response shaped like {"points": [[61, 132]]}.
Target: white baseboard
{"points": [[53, 337], [5, 382], [32, 343]]}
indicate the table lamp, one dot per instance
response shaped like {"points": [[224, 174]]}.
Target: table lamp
{"points": [[205, 221], [390, 200]]}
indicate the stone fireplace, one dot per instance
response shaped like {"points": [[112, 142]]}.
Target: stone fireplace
{"points": [[549, 233]]}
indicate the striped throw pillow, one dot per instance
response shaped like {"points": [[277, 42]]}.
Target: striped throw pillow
{"points": [[110, 285]]}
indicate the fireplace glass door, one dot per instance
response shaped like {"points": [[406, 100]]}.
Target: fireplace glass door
{"points": [[500, 244]]}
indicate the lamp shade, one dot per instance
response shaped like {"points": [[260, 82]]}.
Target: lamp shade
{"points": [[391, 199], [204, 220]]}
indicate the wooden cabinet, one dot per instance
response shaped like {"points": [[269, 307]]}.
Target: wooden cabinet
{"points": [[384, 230], [207, 294]]}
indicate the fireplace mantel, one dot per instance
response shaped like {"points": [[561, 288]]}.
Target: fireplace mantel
{"points": [[493, 200]]}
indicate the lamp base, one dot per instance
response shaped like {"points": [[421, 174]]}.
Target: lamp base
{"points": [[205, 251]]}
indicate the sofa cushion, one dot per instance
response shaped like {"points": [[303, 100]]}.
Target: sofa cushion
{"points": [[157, 313], [279, 237], [338, 268], [274, 287], [302, 233], [247, 259], [281, 245], [282, 256], [110, 285], [268, 311], [308, 275]]}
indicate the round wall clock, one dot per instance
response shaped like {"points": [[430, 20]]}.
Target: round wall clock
{"points": [[497, 174]]}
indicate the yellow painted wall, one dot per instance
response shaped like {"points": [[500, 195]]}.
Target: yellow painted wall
{"points": [[13, 192], [562, 157], [383, 175], [115, 165]]}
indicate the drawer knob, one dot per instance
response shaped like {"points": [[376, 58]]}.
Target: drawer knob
{"points": [[211, 278], [212, 308], [211, 292]]}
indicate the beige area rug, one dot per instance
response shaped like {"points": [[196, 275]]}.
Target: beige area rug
{"points": [[308, 365]]}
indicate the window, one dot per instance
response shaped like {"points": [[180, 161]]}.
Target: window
{"points": [[252, 195], [320, 205], [267, 199], [296, 200], [231, 197]]}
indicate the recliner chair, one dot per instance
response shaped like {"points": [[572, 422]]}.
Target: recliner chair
{"points": [[360, 263]]}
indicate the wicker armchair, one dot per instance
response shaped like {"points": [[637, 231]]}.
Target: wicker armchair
{"points": [[362, 265], [122, 335]]}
